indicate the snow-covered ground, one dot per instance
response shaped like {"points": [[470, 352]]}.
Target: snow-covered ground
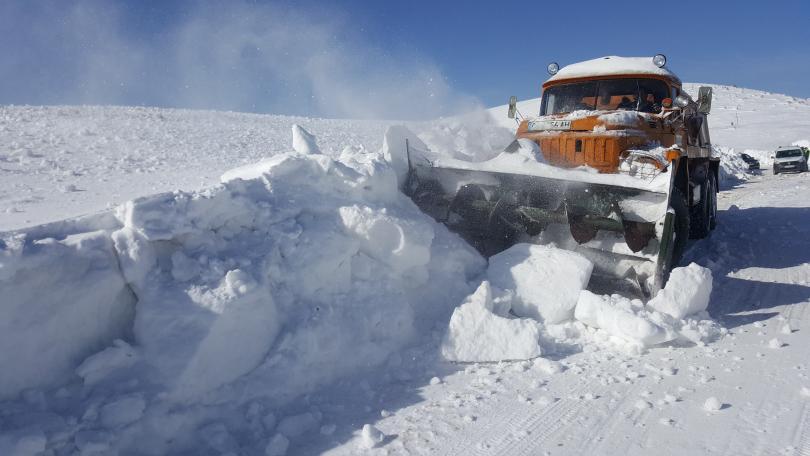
{"points": [[63, 161], [746, 393], [305, 306]]}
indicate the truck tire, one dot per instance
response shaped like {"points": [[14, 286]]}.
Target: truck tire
{"points": [[713, 199], [680, 230], [701, 220]]}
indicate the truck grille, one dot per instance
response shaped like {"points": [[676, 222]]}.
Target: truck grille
{"points": [[601, 153]]}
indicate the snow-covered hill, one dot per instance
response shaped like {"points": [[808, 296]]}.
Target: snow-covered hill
{"points": [[64, 161]]}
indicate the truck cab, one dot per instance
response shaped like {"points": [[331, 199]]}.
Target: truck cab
{"points": [[596, 113]]}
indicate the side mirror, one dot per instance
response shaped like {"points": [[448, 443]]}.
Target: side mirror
{"points": [[704, 100], [512, 107]]}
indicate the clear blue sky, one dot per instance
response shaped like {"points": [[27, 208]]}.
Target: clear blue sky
{"points": [[372, 58]]}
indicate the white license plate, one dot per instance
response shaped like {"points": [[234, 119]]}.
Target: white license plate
{"points": [[542, 125]]}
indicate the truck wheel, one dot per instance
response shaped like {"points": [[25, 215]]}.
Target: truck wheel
{"points": [[775, 171], [700, 222], [681, 228], [713, 201]]}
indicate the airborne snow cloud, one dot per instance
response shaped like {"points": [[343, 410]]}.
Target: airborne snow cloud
{"points": [[235, 56]]}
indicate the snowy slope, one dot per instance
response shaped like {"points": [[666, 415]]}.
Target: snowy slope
{"points": [[64, 161]]}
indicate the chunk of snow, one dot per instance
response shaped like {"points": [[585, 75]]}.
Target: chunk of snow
{"points": [[476, 333], [396, 152], [712, 404], [399, 243], [775, 343], [641, 404], [62, 299], [370, 437], [526, 149], [106, 362], [303, 141], [687, 292], [548, 366], [620, 317], [546, 280]]}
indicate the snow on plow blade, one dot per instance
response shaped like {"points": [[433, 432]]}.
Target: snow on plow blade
{"points": [[627, 232]]}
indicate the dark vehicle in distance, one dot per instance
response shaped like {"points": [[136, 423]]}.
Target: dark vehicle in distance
{"points": [[752, 162], [789, 159]]}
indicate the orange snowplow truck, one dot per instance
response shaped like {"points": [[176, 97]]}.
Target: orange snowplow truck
{"points": [[624, 162]]}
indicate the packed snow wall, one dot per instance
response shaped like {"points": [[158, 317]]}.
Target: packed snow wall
{"points": [[290, 274], [62, 297]]}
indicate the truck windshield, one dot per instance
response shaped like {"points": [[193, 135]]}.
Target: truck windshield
{"points": [[644, 95], [788, 153]]}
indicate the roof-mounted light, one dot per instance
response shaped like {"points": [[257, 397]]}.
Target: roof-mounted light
{"points": [[553, 68], [660, 60]]}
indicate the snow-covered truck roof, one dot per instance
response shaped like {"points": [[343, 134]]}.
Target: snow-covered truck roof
{"points": [[612, 66]]}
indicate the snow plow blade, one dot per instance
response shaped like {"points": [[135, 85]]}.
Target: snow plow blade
{"points": [[626, 232]]}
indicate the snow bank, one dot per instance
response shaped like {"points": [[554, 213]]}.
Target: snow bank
{"points": [[481, 331], [316, 257], [733, 169], [663, 318], [303, 141], [546, 285], [399, 146], [621, 317], [546, 280], [63, 298], [687, 292], [292, 273]]}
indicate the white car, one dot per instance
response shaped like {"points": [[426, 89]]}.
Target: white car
{"points": [[789, 159]]}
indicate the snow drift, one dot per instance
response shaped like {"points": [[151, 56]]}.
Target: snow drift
{"points": [[535, 300], [290, 274], [481, 329]]}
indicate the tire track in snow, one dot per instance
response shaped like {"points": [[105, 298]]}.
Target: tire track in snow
{"points": [[593, 444], [495, 436], [801, 438]]}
